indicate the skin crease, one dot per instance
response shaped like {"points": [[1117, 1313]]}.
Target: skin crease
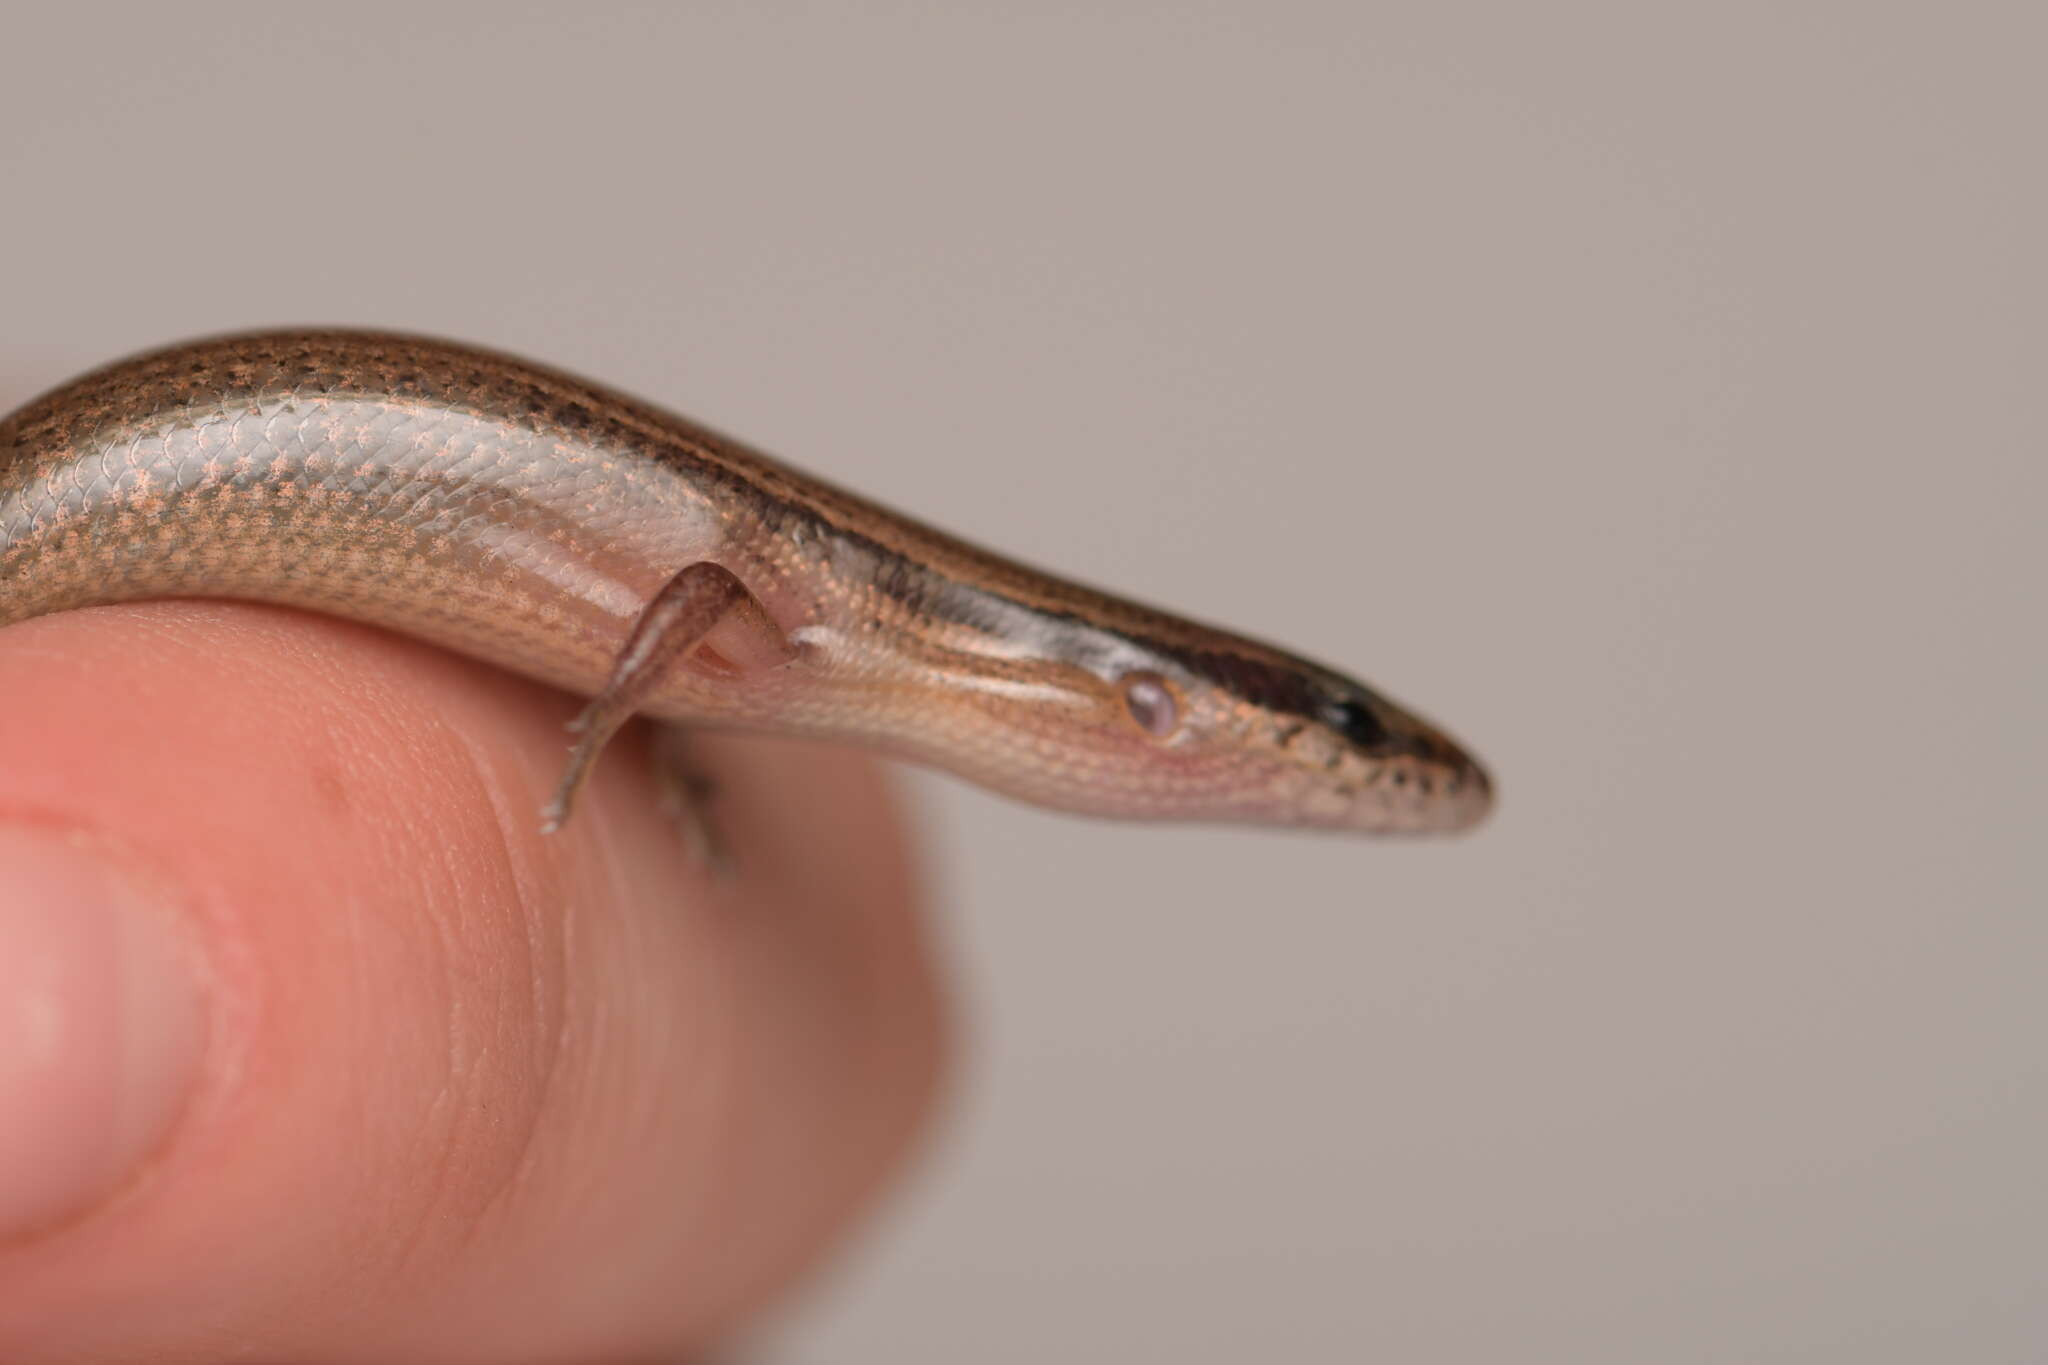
{"points": [[468, 1094]]}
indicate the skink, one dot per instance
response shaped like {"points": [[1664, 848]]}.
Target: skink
{"points": [[594, 542]]}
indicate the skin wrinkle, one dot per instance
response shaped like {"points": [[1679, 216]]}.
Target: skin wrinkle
{"points": [[455, 1128], [717, 1048], [486, 768], [449, 1125], [413, 1242]]}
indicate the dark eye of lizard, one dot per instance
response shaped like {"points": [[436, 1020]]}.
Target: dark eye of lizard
{"points": [[1356, 723]]}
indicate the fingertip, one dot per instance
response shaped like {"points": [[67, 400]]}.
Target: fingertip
{"points": [[335, 809], [459, 1084]]}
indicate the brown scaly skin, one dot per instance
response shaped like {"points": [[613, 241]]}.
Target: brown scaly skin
{"points": [[527, 518]]}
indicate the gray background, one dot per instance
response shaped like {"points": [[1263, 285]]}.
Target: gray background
{"points": [[1652, 393]]}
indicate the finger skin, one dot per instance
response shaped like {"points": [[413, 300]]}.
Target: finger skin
{"points": [[469, 1093]]}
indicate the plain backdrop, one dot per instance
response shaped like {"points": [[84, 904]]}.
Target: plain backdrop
{"points": [[1652, 393]]}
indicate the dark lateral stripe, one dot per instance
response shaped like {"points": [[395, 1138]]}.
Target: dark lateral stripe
{"points": [[1272, 686], [1261, 683]]}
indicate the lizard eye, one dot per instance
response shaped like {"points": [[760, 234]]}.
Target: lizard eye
{"points": [[1151, 702], [1356, 723]]}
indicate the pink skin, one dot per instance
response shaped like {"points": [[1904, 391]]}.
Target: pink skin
{"points": [[415, 1082]]}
